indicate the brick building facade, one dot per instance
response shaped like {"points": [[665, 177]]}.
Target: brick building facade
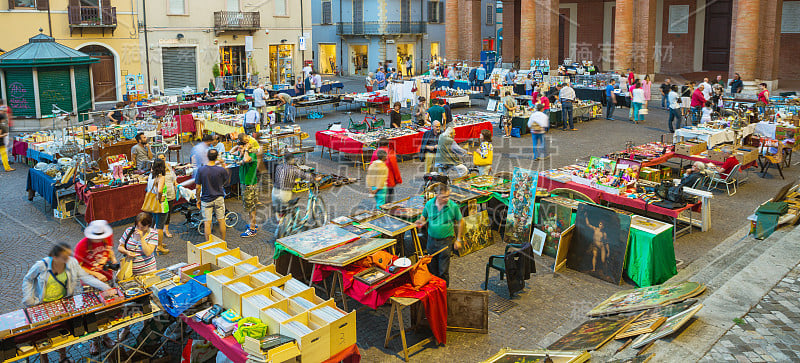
{"points": [[756, 38]]}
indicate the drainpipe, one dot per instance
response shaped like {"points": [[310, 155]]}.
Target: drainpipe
{"points": [[146, 45], [302, 52]]}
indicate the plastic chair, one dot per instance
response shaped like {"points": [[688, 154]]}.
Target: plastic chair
{"points": [[729, 180], [498, 263]]}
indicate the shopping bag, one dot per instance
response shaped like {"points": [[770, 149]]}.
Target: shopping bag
{"points": [[182, 297], [125, 269], [151, 203]]}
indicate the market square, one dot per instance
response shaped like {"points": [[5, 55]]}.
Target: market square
{"points": [[440, 193]]}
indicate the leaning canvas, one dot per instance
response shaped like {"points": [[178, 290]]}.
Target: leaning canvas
{"points": [[647, 297], [521, 206], [554, 218], [599, 244], [477, 233], [591, 335]]}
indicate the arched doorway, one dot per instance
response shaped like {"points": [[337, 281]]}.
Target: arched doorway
{"points": [[104, 75]]}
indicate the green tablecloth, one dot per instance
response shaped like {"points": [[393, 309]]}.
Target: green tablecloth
{"points": [[651, 258], [280, 250]]}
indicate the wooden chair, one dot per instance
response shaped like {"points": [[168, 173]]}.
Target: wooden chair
{"points": [[767, 159]]}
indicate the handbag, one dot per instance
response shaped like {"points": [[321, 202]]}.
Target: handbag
{"points": [[126, 264], [151, 202]]}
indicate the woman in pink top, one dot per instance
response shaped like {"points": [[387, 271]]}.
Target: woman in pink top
{"points": [[646, 87], [763, 96]]}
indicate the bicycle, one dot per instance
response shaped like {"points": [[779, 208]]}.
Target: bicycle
{"points": [[194, 219], [292, 220]]}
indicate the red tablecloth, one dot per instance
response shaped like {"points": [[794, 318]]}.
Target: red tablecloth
{"points": [[19, 148], [659, 160], [433, 295], [233, 350], [186, 125], [114, 204], [466, 132]]}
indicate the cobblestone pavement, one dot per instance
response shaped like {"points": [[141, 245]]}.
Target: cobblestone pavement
{"points": [[550, 304], [770, 332]]}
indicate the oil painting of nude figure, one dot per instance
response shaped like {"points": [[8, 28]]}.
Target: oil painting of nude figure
{"points": [[598, 246]]}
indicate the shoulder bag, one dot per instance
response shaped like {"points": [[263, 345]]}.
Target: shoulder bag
{"points": [[126, 264], [152, 202]]}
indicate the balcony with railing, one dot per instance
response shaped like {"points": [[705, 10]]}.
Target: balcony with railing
{"points": [[381, 28], [85, 17], [236, 20]]}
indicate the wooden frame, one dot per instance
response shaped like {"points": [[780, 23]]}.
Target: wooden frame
{"points": [[372, 270], [460, 307], [391, 233], [329, 257], [563, 247]]}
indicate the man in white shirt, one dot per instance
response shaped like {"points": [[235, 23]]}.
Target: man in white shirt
{"points": [[538, 124], [251, 119], [674, 107], [567, 97], [306, 71], [706, 88], [317, 79], [260, 100]]}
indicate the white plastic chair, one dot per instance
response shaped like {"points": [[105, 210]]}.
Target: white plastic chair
{"points": [[729, 180]]}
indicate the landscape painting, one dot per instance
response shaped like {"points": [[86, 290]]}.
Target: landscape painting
{"points": [[591, 335], [351, 252], [317, 240], [647, 297]]}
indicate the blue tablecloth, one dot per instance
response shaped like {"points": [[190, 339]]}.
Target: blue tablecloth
{"points": [[330, 86], [40, 156], [456, 84], [43, 185]]}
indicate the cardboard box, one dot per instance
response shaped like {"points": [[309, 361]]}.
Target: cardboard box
{"points": [[314, 346], [689, 148], [215, 280], [194, 253], [233, 300], [343, 331], [236, 253], [719, 155], [746, 154], [666, 173], [194, 270]]}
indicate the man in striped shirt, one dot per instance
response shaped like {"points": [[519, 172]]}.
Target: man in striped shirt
{"points": [[284, 179]]}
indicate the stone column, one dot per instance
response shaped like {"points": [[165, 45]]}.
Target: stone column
{"points": [[746, 22], [623, 37], [470, 29], [510, 34], [546, 29], [527, 32], [451, 30], [644, 37]]}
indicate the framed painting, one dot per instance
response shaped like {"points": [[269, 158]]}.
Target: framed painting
{"points": [[521, 206], [670, 326], [647, 297], [477, 233], [648, 225], [599, 244], [563, 246], [628, 169], [507, 355], [388, 225], [597, 164], [352, 252], [363, 216], [313, 241], [371, 276], [468, 311], [592, 334], [554, 218], [537, 241]]}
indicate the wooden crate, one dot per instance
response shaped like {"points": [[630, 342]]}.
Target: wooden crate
{"points": [[253, 261], [233, 300], [241, 256], [343, 331], [195, 270], [194, 252], [314, 346], [288, 306], [251, 310], [309, 294], [214, 283]]}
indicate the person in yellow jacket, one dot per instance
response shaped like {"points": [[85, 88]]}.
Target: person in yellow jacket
{"points": [[377, 174], [482, 157]]}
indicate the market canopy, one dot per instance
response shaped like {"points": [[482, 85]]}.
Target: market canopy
{"points": [[43, 50]]}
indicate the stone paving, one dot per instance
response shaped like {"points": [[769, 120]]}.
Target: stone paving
{"points": [[770, 332], [551, 304]]}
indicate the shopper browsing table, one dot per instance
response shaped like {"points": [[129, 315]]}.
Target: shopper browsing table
{"points": [[394, 178], [484, 155], [421, 112], [171, 184], [538, 124], [395, 118], [199, 155], [436, 112], [567, 96], [430, 143], [55, 277], [251, 119], [157, 183], [260, 100], [706, 88], [210, 193], [247, 149], [611, 99], [763, 98], [510, 105], [445, 227], [93, 252], [698, 101], [377, 174], [448, 152], [674, 108], [736, 84]]}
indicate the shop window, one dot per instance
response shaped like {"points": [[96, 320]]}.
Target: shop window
{"points": [[280, 8], [489, 15], [177, 7], [326, 12]]}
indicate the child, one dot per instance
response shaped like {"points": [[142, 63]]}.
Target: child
{"points": [[482, 157], [376, 178], [707, 110]]}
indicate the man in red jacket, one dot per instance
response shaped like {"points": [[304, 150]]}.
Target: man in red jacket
{"points": [[394, 177], [698, 100]]}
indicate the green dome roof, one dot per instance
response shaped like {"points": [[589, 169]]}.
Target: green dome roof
{"points": [[43, 51]]}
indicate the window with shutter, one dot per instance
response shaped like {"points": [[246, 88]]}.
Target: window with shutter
{"points": [[433, 11], [42, 4], [280, 8], [54, 89], [177, 7], [440, 15], [489, 15], [326, 12]]}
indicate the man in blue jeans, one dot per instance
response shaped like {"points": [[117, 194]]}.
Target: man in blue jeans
{"points": [[611, 99], [567, 96], [445, 226], [538, 124]]}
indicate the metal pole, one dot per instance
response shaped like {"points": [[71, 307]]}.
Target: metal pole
{"points": [[146, 44]]}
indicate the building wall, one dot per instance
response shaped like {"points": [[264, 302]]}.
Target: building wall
{"points": [[197, 28], [18, 25], [788, 69], [678, 49]]}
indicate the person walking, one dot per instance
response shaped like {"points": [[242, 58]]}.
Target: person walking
{"points": [[210, 193], [199, 154], [674, 108], [260, 101], [736, 83], [55, 277], [665, 89], [611, 99], [484, 155], [646, 87], [394, 178], [445, 228], [538, 123], [637, 101], [247, 149], [171, 184], [377, 175], [409, 67], [156, 183], [93, 253], [430, 142], [567, 97], [697, 103], [510, 106], [763, 98]]}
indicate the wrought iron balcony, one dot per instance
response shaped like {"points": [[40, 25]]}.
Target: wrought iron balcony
{"points": [[83, 17], [381, 28], [236, 20]]}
